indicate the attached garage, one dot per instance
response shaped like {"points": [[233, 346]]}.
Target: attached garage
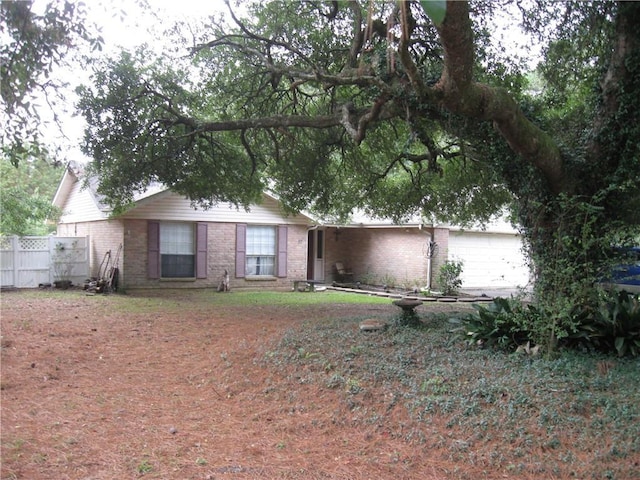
{"points": [[490, 259]]}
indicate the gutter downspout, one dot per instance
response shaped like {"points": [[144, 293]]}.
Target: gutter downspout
{"points": [[429, 255]]}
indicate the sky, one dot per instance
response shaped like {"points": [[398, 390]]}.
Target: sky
{"points": [[126, 23], [123, 24]]}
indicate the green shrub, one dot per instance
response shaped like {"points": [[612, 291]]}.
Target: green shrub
{"points": [[368, 278], [449, 277], [509, 323], [502, 323], [388, 280], [615, 327]]}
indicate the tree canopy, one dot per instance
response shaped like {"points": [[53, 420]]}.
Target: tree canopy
{"points": [[336, 105], [306, 97], [26, 191], [34, 43]]}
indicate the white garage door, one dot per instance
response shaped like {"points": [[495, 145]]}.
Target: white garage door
{"points": [[490, 259]]}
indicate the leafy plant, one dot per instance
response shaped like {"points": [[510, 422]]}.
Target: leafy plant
{"points": [[388, 280], [510, 323], [568, 264], [368, 278], [615, 327], [63, 261], [449, 277], [144, 466], [502, 323]]}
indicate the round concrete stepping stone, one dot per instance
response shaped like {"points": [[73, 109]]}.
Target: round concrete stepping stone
{"points": [[372, 325]]}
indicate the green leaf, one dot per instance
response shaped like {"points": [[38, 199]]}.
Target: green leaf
{"points": [[435, 9]]}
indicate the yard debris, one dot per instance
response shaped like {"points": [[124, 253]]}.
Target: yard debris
{"points": [[108, 275], [527, 349], [223, 286]]}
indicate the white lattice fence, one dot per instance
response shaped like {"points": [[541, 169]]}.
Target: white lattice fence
{"points": [[26, 262]]}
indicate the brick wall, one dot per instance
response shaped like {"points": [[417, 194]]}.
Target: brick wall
{"points": [[336, 250], [388, 255], [135, 253], [398, 254], [441, 238], [220, 256]]}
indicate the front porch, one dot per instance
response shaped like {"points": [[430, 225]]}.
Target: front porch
{"points": [[393, 256]]}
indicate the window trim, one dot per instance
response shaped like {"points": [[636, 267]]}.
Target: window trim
{"points": [[271, 244], [280, 268], [200, 252], [189, 230]]}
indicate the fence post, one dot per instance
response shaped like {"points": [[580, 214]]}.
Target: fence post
{"points": [[14, 247], [52, 250], [87, 256]]}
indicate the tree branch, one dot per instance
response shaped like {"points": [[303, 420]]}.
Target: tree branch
{"points": [[617, 75], [372, 115], [358, 34], [266, 40], [379, 111], [457, 92], [403, 51]]}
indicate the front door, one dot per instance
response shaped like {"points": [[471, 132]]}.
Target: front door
{"points": [[315, 258]]}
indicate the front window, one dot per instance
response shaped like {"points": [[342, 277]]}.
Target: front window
{"points": [[261, 250], [177, 250]]}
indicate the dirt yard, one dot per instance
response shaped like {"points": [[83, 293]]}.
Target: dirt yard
{"points": [[167, 386], [93, 390]]}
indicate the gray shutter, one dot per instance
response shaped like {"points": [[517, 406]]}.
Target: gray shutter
{"points": [[241, 249], [153, 250], [282, 251], [201, 250]]}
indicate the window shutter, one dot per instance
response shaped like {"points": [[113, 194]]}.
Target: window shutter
{"points": [[201, 250], [153, 249], [241, 249], [282, 251]]}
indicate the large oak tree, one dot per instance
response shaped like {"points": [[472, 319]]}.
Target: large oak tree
{"points": [[336, 105]]}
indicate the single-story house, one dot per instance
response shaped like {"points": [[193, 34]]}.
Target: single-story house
{"points": [[165, 242]]}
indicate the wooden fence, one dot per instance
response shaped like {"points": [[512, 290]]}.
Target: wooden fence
{"points": [[28, 262]]}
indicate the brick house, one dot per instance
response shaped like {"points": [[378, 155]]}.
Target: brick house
{"points": [[411, 254], [167, 243]]}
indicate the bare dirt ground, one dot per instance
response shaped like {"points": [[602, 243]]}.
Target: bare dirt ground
{"points": [[102, 387], [89, 392]]}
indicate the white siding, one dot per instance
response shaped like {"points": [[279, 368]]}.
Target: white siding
{"points": [[490, 259], [497, 225], [80, 206], [170, 206]]}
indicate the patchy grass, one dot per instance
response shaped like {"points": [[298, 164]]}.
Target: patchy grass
{"points": [[577, 416], [145, 300]]}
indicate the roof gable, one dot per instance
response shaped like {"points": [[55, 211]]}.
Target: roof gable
{"points": [[82, 202], [168, 205]]}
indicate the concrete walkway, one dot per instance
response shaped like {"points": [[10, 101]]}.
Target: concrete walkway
{"points": [[494, 292]]}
